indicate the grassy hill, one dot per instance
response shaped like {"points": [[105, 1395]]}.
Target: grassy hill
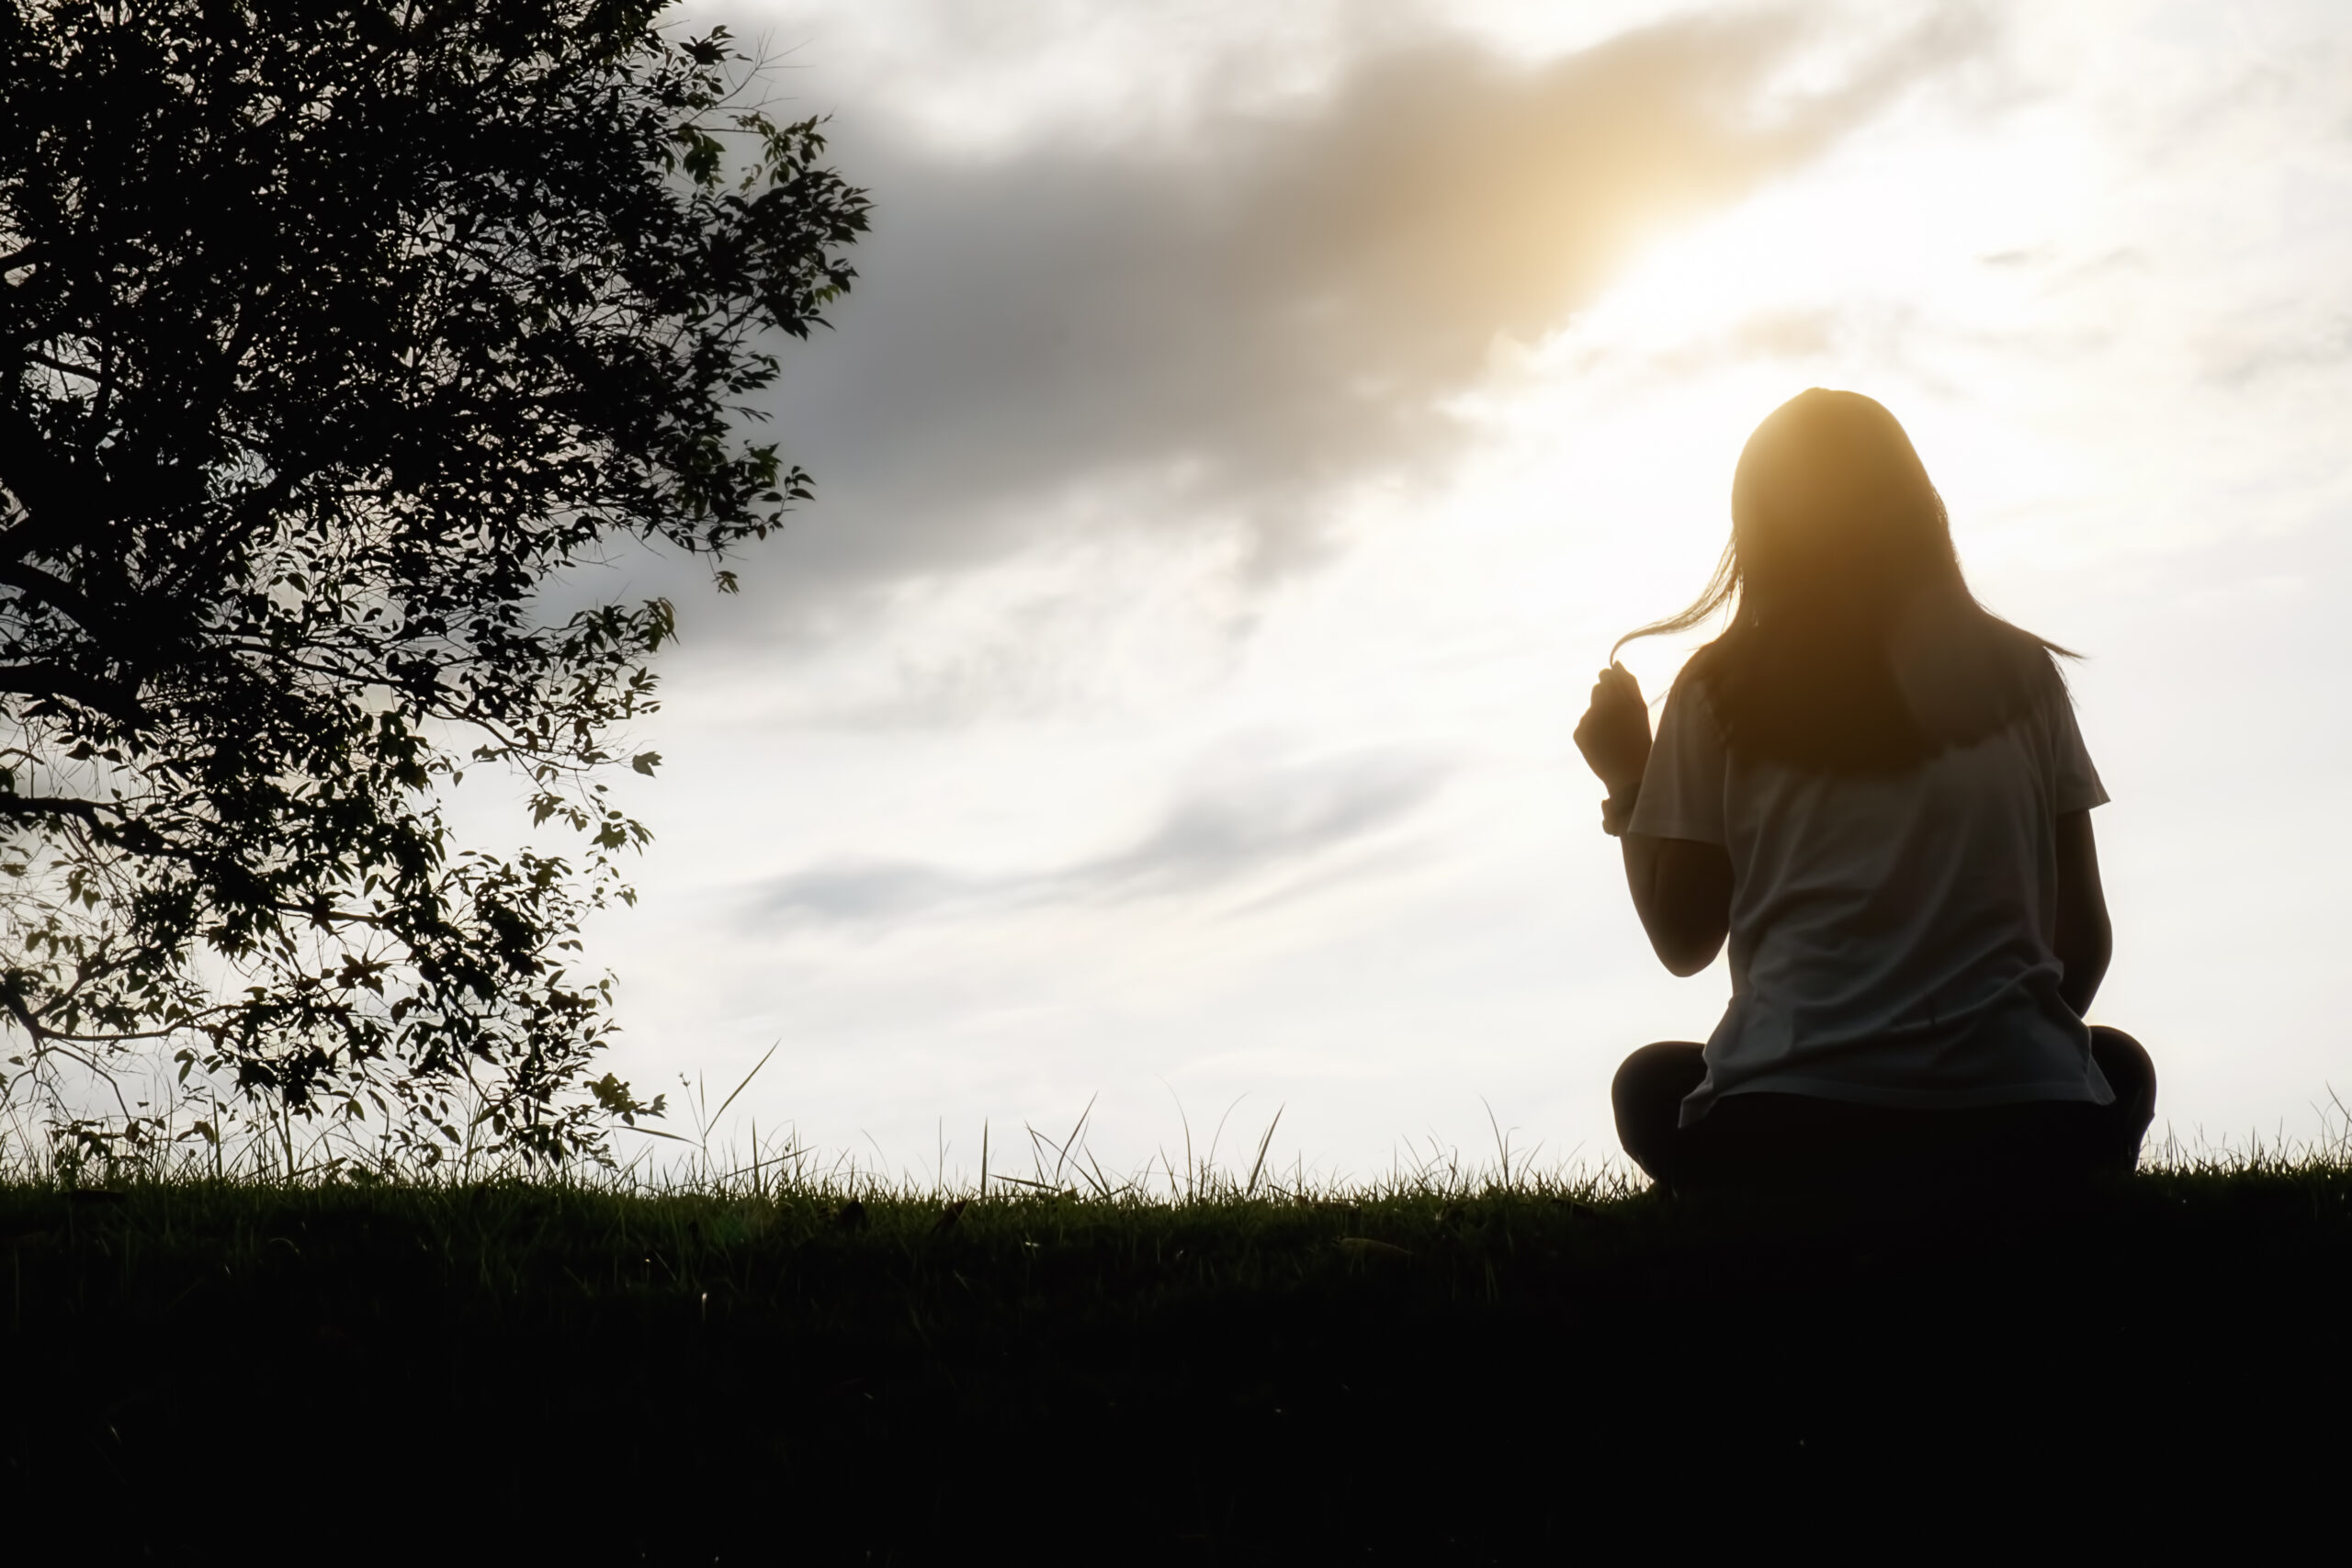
{"points": [[1470, 1375]]}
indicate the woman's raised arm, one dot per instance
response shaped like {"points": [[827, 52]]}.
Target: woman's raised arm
{"points": [[1682, 888]]}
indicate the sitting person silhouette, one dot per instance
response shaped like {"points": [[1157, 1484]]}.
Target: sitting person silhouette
{"points": [[1874, 788]]}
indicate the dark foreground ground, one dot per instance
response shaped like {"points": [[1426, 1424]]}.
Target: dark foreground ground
{"points": [[559, 1374]]}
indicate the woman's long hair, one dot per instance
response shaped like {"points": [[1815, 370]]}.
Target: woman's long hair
{"points": [[1854, 644]]}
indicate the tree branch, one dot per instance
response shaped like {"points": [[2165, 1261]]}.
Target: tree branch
{"points": [[53, 805], [55, 593], [66, 368], [55, 681], [37, 481]]}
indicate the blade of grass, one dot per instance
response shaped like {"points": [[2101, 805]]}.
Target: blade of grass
{"points": [[1260, 1163], [1187, 1122], [1502, 1139], [1100, 1182], [1210, 1158], [747, 1079], [1074, 1131], [657, 1133]]}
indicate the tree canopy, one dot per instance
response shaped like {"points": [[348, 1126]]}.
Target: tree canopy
{"points": [[330, 331]]}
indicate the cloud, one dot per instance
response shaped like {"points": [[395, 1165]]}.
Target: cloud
{"points": [[1231, 329], [1225, 834], [864, 890], [1769, 334], [2276, 341]]}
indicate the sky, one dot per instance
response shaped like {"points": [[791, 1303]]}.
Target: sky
{"points": [[1252, 425]]}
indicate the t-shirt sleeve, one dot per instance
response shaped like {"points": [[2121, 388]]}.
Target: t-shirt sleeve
{"points": [[1683, 792], [2077, 784]]}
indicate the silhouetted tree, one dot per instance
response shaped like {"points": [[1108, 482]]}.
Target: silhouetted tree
{"points": [[329, 330]]}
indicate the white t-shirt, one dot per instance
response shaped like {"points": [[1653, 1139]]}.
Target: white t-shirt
{"points": [[1890, 934]]}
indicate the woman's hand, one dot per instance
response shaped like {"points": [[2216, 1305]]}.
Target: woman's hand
{"points": [[1614, 734]]}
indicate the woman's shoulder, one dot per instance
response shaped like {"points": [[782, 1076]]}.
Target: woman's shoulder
{"points": [[1694, 683]]}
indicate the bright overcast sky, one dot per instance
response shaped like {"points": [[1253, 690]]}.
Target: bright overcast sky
{"points": [[1251, 427]]}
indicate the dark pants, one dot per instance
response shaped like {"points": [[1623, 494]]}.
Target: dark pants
{"points": [[1795, 1139]]}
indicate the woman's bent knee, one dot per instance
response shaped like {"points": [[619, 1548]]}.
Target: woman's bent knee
{"points": [[1647, 1095], [1666, 1062], [2129, 1071]]}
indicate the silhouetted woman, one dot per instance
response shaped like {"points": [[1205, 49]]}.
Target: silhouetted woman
{"points": [[1875, 789]]}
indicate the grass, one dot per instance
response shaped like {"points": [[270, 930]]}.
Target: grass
{"points": [[1433, 1372]]}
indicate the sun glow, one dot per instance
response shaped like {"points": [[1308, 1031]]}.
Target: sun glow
{"points": [[1907, 271]]}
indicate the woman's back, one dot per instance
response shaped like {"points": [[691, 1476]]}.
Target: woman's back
{"points": [[1889, 932]]}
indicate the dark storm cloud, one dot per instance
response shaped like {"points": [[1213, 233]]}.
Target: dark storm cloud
{"points": [[1216, 837], [1227, 334]]}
